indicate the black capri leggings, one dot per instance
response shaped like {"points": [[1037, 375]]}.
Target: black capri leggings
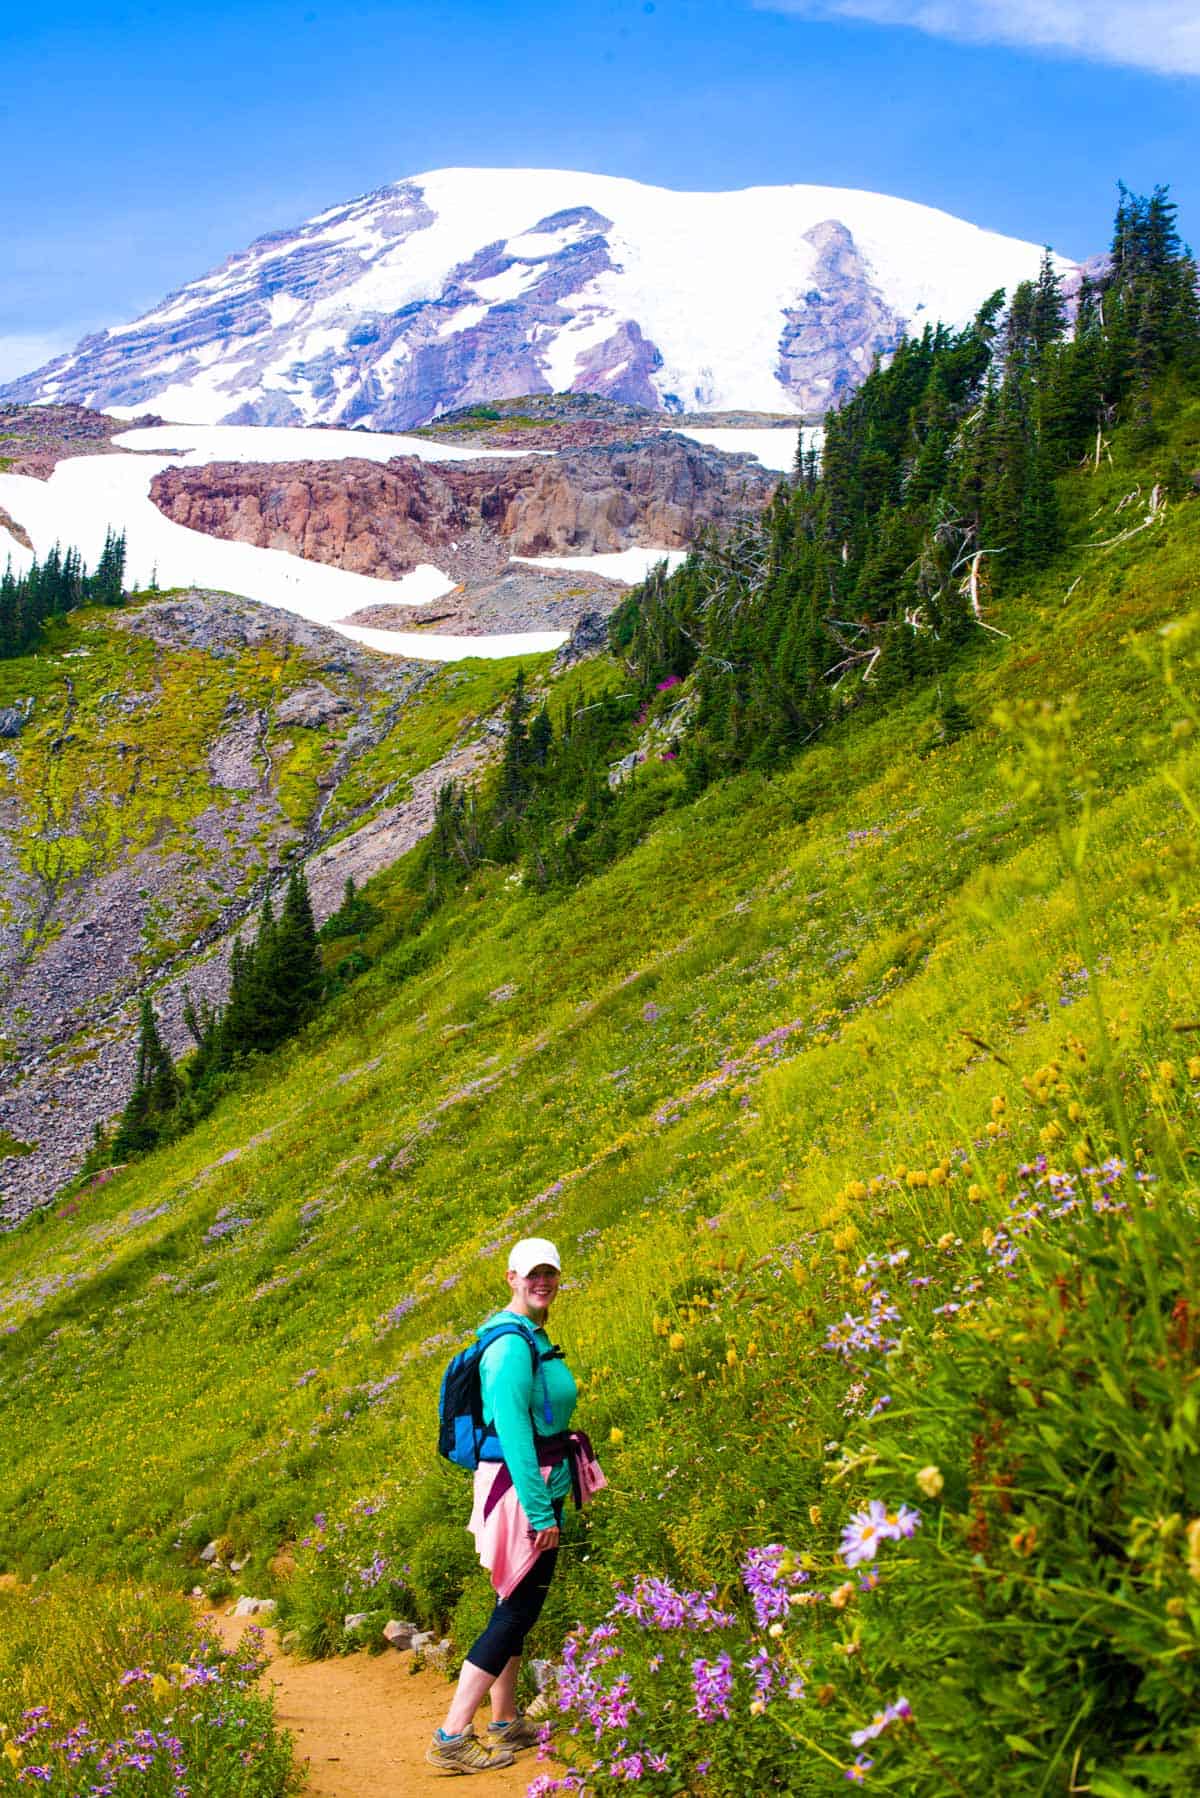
{"points": [[515, 1616]]}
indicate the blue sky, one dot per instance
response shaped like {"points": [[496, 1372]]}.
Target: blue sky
{"points": [[148, 141]]}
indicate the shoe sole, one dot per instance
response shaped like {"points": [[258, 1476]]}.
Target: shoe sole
{"points": [[456, 1767]]}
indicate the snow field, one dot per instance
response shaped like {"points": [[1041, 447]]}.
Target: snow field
{"points": [[87, 494]]}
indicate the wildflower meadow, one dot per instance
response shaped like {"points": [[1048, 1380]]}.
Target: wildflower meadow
{"points": [[861, 1098]]}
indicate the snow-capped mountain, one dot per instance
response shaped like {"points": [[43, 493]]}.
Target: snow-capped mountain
{"points": [[464, 285]]}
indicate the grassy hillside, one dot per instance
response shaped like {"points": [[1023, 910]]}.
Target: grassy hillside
{"points": [[892, 1022]]}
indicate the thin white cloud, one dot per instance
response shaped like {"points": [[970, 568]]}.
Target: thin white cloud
{"points": [[1162, 35], [23, 351]]}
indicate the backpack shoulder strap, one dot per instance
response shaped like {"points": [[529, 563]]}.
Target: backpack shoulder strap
{"points": [[516, 1328]]}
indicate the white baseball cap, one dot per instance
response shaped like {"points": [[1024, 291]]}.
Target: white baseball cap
{"points": [[531, 1252]]}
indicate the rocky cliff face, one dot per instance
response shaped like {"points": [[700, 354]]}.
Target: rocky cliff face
{"points": [[147, 801], [836, 329], [474, 284], [469, 517]]}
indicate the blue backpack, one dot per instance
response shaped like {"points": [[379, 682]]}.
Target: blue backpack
{"points": [[463, 1437]]}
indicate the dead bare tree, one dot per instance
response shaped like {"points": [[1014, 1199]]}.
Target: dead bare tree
{"points": [[1156, 511]]}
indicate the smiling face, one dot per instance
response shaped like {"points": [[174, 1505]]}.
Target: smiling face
{"points": [[534, 1292]]}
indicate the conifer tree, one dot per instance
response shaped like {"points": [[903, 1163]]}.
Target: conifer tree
{"points": [[296, 970], [514, 766], [154, 1095]]}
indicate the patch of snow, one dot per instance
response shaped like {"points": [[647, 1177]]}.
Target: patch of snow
{"points": [[773, 445], [509, 284], [202, 399], [315, 342], [417, 644], [539, 246], [14, 555], [627, 565], [462, 320], [284, 307], [560, 357], [193, 445], [86, 495]]}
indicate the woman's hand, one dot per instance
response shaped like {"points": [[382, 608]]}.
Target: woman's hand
{"points": [[546, 1539]]}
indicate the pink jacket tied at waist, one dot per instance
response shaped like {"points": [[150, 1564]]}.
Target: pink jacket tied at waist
{"points": [[503, 1537]]}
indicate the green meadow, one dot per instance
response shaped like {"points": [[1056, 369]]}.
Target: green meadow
{"points": [[861, 1100]]}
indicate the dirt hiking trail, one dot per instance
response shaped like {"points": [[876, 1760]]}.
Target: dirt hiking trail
{"points": [[363, 1722]]}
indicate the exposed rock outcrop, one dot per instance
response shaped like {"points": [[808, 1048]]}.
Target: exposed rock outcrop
{"points": [[311, 707], [14, 718], [837, 327], [34, 438], [469, 517]]}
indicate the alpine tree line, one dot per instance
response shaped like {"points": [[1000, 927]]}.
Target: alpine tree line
{"points": [[551, 807], [871, 567], [55, 587], [935, 493]]}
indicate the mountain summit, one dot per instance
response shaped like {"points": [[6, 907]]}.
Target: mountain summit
{"points": [[463, 285]]}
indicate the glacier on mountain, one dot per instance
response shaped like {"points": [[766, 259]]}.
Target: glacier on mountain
{"points": [[465, 285]]}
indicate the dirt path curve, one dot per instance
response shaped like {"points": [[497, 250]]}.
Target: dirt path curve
{"points": [[363, 1723]]}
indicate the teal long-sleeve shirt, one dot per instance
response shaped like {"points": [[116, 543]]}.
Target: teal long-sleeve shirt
{"points": [[512, 1405]]}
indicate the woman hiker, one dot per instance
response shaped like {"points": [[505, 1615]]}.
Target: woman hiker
{"points": [[528, 1463]]}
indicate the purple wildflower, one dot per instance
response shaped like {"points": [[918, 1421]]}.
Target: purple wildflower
{"points": [[900, 1712], [373, 1572], [712, 1683], [769, 1575], [765, 1673], [867, 1529]]}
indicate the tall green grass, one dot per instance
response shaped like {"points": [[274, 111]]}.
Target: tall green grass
{"points": [[812, 1019], [116, 1689]]}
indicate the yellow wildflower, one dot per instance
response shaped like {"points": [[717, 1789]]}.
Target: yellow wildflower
{"points": [[1193, 1548], [676, 1341], [1166, 1072], [616, 1436], [815, 1516], [930, 1481]]}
